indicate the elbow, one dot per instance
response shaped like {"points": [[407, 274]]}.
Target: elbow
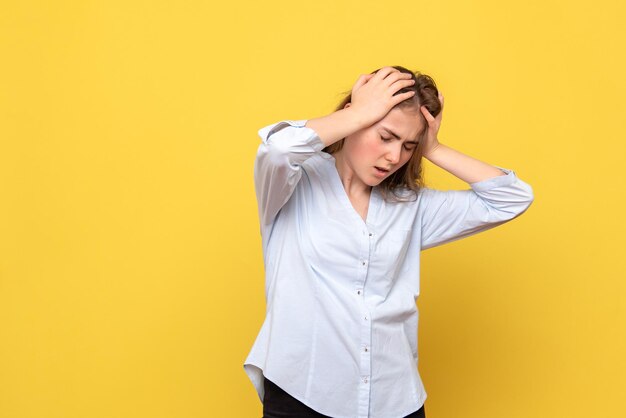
{"points": [[529, 198], [525, 199], [520, 199], [518, 203], [274, 154]]}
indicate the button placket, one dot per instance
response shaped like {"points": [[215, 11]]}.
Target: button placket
{"points": [[366, 326]]}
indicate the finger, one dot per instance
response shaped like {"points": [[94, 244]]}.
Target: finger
{"points": [[360, 81], [367, 78], [429, 118], [402, 97], [384, 72], [398, 75], [400, 84]]}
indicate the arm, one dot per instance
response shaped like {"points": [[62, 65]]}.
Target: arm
{"points": [[372, 98], [449, 215], [337, 125], [496, 194], [286, 145], [468, 169]]}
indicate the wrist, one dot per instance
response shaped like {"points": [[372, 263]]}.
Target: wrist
{"points": [[357, 119], [432, 151]]}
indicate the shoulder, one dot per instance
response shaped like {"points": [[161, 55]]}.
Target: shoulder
{"points": [[319, 164]]}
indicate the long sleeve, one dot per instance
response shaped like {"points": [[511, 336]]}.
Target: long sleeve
{"points": [[277, 168], [451, 215]]}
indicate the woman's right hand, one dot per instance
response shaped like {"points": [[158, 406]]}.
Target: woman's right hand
{"points": [[373, 94]]}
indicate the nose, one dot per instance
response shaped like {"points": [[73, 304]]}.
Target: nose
{"points": [[393, 155]]}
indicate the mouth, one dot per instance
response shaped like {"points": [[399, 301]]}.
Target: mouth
{"points": [[381, 171]]}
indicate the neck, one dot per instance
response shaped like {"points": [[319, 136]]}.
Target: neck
{"points": [[351, 182]]}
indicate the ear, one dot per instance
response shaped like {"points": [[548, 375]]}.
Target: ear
{"points": [[347, 105]]}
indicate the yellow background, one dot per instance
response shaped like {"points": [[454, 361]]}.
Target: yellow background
{"points": [[131, 275]]}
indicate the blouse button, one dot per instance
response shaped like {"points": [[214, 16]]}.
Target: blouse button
{"points": [[371, 234], [363, 262]]}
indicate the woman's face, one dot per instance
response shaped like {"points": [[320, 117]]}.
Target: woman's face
{"points": [[374, 153]]}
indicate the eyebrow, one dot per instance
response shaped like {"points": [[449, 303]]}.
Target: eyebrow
{"points": [[397, 136]]}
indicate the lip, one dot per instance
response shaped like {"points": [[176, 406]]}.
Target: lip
{"points": [[379, 173]]}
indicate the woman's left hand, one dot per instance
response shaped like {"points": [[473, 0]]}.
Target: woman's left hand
{"points": [[433, 128]]}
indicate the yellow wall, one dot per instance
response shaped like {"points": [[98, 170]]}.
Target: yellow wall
{"points": [[131, 276]]}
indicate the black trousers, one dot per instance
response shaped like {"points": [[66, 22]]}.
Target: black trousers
{"points": [[279, 404]]}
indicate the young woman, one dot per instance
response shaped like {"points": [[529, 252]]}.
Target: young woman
{"points": [[343, 215]]}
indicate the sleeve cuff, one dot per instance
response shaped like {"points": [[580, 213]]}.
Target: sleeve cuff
{"points": [[314, 141], [497, 181]]}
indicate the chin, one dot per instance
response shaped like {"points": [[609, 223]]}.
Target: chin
{"points": [[375, 182]]}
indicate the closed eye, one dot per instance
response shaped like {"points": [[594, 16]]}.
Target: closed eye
{"points": [[409, 147]]}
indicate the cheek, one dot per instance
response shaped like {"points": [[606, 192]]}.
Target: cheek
{"points": [[407, 157], [365, 150]]}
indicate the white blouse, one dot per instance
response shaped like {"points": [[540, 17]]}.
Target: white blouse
{"points": [[340, 332]]}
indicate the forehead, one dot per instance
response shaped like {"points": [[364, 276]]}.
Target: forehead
{"points": [[405, 122]]}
